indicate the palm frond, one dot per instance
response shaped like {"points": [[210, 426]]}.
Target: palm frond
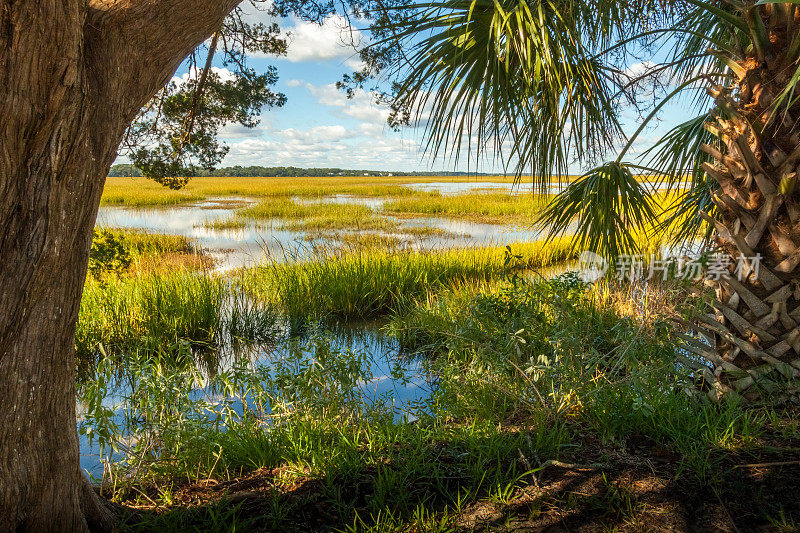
{"points": [[677, 161], [681, 222], [513, 76], [704, 49], [678, 155], [607, 209]]}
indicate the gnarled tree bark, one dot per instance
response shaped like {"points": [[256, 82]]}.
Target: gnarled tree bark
{"points": [[73, 74]]}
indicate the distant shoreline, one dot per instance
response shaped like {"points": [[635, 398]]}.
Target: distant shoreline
{"points": [[130, 171]]}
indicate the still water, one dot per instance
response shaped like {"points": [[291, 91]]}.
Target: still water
{"points": [[253, 243], [385, 362]]}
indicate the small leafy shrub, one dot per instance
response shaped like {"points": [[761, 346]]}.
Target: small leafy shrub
{"points": [[166, 413], [108, 254], [539, 344]]}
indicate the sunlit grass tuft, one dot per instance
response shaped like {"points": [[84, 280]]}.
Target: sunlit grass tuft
{"points": [[147, 312], [293, 215], [147, 252], [490, 207], [231, 222], [365, 282]]}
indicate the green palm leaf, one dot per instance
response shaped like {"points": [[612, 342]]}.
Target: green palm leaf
{"points": [[607, 209]]}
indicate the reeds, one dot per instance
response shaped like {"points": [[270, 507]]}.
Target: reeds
{"points": [[371, 282], [147, 312], [143, 314]]}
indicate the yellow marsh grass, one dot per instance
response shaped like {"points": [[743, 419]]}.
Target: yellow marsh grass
{"points": [[492, 207], [159, 252], [140, 192], [276, 203], [317, 216]]}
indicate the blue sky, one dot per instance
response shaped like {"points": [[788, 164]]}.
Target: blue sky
{"points": [[320, 127]]}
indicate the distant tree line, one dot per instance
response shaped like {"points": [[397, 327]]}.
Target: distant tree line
{"points": [[128, 170]]}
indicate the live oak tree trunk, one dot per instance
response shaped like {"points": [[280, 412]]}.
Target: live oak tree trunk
{"points": [[73, 74], [755, 333]]}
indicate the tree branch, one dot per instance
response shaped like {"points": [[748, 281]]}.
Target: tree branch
{"points": [[135, 46], [198, 91]]}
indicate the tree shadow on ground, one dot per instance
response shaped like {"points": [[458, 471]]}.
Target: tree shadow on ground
{"points": [[642, 489]]}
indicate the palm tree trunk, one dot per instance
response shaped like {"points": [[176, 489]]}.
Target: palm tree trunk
{"points": [[755, 328]]}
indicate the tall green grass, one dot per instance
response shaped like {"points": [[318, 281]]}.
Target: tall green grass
{"points": [[308, 413], [150, 312], [367, 282], [559, 348], [147, 243], [527, 373]]}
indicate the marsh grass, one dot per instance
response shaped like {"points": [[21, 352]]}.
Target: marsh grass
{"points": [[491, 207], [400, 239], [501, 410], [231, 222], [291, 215], [604, 355], [370, 282], [140, 192], [116, 250], [524, 367], [423, 232], [144, 243], [361, 239], [309, 414], [298, 204], [147, 313]]}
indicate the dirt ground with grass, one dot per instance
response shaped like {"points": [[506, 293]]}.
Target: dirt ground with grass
{"points": [[635, 486]]}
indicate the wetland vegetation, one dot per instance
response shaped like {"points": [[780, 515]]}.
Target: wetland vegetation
{"points": [[400, 353], [356, 383]]}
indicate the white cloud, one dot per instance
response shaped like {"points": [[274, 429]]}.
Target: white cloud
{"points": [[317, 134], [354, 63], [367, 111], [328, 95], [370, 129], [223, 73], [333, 39], [361, 106], [638, 69], [257, 12], [237, 131], [333, 146]]}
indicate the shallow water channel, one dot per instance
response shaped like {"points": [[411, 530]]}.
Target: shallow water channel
{"points": [[395, 381], [256, 241]]}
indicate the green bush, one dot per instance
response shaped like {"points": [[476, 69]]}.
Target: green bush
{"points": [[108, 254]]}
